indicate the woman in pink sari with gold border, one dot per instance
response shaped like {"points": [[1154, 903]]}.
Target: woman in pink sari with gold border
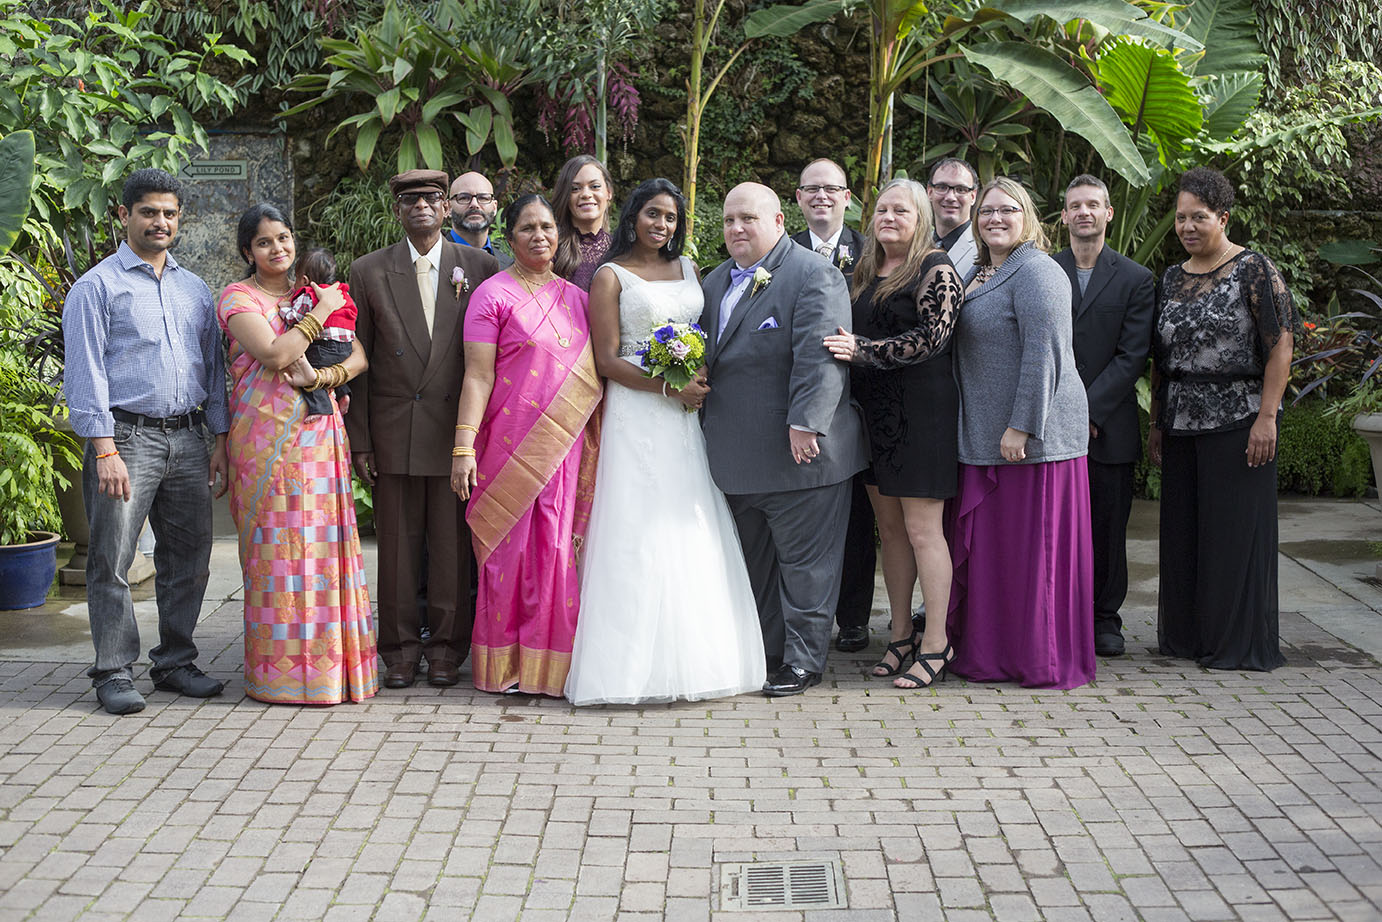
{"points": [[525, 458]]}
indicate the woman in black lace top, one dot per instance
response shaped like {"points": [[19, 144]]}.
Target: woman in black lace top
{"points": [[1222, 348], [907, 296]]}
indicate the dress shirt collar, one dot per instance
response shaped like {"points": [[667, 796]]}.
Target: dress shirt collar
{"points": [[129, 259], [832, 241], [950, 239], [433, 255]]}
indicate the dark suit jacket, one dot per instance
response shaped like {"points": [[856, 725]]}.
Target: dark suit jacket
{"points": [[849, 237], [1113, 333], [404, 408], [769, 371]]}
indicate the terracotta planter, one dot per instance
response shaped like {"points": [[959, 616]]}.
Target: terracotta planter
{"points": [[27, 571]]}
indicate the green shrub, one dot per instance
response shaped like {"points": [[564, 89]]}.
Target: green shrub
{"points": [[1321, 454]]}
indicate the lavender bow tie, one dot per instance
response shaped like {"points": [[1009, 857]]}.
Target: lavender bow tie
{"points": [[737, 275]]}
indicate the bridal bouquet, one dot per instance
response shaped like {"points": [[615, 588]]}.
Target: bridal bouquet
{"points": [[676, 351]]}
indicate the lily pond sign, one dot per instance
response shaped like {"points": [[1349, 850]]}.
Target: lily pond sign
{"points": [[219, 170]]}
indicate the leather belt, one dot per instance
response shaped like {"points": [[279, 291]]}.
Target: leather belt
{"points": [[167, 424]]}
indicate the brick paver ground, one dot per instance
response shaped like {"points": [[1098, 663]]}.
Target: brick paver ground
{"points": [[1161, 792]]}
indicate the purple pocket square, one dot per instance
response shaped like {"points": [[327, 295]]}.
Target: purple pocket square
{"points": [[769, 324]]}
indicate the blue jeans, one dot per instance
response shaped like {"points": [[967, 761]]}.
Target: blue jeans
{"points": [[168, 472]]}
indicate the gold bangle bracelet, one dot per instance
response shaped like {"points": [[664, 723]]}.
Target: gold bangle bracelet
{"points": [[460, 451], [318, 380], [460, 426], [310, 327]]}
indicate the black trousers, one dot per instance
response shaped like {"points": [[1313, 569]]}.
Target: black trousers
{"points": [[861, 560], [1218, 598], [1110, 504]]}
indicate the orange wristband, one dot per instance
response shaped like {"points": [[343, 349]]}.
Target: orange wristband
{"points": [[109, 454]]}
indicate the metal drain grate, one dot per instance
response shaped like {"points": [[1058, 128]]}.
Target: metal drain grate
{"points": [[782, 885]]}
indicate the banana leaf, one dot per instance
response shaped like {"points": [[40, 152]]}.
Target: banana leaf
{"points": [[16, 178]]}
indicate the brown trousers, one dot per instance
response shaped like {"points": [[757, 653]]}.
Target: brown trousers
{"points": [[407, 510]]}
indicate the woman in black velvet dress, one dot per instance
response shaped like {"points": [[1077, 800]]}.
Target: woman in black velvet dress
{"points": [[907, 297]]}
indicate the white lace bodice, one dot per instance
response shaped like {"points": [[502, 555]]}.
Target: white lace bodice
{"points": [[644, 304]]}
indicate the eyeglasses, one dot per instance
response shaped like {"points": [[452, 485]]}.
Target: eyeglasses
{"points": [[409, 199], [480, 198], [945, 188], [828, 190], [1006, 211]]}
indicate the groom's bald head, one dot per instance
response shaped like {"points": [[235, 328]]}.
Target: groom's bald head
{"points": [[753, 222]]}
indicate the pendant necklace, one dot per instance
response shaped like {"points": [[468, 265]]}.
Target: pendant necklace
{"points": [[563, 341]]}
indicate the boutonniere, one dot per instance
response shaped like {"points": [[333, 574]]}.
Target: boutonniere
{"points": [[460, 281], [761, 278], [843, 258]]}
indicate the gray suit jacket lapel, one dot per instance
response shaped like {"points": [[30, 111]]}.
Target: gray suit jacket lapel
{"points": [[770, 263]]}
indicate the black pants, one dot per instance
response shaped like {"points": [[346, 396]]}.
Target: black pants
{"points": [[1218, 599], [861, 560], [1110, 503], [323, 353]]}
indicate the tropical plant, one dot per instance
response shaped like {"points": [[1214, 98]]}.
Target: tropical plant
{"points": [[105, 94], [354, 218], [1342, 351], [605, 33], [441, 84], [16, 178], [1011, 40], [982, 122], [33, 449]]}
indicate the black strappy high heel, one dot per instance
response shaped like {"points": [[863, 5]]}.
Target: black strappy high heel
{"points": [[895, 648], [933, 674]]}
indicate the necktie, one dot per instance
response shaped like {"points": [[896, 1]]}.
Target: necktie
{"points": [[826, 250], [424, 290], [736, 276]]}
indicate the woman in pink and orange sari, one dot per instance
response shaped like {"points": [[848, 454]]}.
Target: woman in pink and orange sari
{"points": [[525, 458], [309, 635]]}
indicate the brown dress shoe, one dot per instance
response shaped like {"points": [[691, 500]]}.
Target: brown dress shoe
{"points": [[400, 675], [442, 675]]}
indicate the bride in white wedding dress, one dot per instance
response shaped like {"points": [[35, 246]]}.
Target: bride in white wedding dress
{"points": [[667, 612]]}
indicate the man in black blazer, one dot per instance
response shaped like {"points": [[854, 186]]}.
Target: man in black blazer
{"points": [[822, 196], [1112, 302]]}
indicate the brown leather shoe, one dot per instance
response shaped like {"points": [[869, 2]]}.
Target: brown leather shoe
{"points": [[442, 675], [400, 675]]}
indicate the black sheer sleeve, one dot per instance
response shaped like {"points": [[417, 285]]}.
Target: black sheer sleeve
{"points": [[939, 293], [1269, 301]]}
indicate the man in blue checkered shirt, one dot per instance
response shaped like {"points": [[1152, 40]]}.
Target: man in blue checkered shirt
{"points": [[145, 385]]}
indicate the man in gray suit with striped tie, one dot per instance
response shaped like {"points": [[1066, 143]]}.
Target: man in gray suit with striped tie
{"points": [[782, 437]]}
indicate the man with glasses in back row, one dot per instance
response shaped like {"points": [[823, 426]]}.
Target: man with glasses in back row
{"points": [[952, 188], [822, 196], [474, 208], [412, 296]]}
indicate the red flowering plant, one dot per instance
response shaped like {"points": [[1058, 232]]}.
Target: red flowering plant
{"points": [[1341, 352]]}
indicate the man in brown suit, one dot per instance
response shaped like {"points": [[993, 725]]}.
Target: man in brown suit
{"points": [[401, 426]]}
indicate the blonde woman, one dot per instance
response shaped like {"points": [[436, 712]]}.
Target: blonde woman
{"points": [[907, 299], [1023, 601]]}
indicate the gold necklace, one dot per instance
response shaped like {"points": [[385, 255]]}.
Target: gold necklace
{"points": [[563, 341], [1218, 259], [273, 294]]}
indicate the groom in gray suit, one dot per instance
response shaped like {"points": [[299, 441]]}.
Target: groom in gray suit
{"points": [[782, 438]]}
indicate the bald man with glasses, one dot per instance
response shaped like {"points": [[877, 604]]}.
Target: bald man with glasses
{"points": [[474, 208]]}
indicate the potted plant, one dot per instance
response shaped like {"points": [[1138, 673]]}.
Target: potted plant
{"points": [[1353, 356]]}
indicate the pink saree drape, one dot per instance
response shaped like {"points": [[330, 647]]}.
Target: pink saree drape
{"points": [[536, 454]]}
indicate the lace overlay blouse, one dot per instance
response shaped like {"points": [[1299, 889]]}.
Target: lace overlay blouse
{"points": [[593, 249], [939, 294], [1211, 339]]}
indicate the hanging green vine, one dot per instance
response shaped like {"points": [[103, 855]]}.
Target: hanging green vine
{"points": [[1302, 37]]}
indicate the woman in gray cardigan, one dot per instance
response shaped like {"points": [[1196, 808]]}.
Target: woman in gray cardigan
{"points": [[1022, 604]]}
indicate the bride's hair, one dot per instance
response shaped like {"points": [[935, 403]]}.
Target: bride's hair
{"points": [[626, 233]]}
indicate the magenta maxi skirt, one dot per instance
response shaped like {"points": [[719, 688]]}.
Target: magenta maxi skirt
{"points": [[1022, 606]]}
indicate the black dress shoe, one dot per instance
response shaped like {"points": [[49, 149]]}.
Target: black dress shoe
{"points": [[400, 675], [1109, 643], [789, 680], [442, 676], [852, 639]]}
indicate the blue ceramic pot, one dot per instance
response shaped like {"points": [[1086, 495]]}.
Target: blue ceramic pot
{"points": [[27, 571]]}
